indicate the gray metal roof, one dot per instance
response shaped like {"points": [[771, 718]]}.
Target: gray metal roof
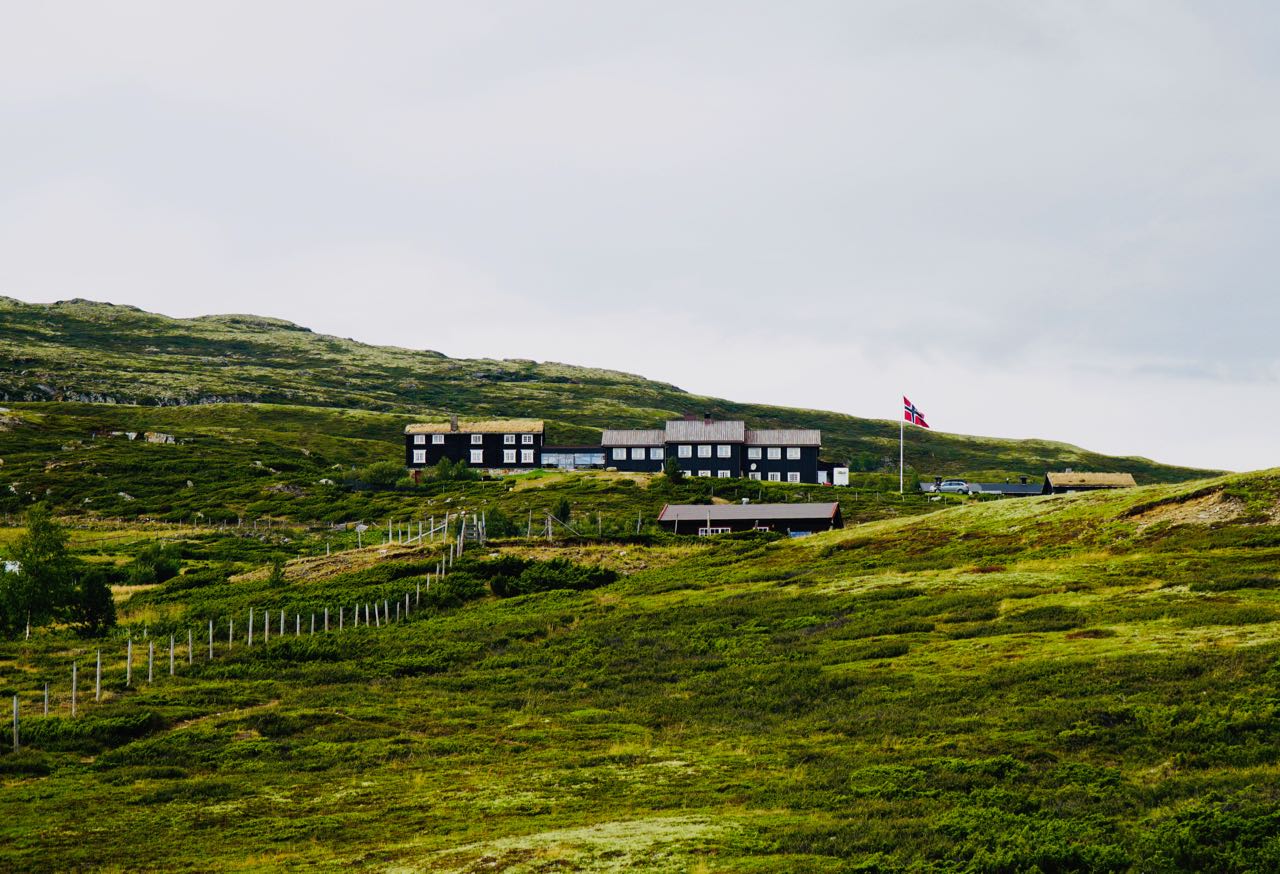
{"points": [[763, 512], [1006, 488], [785, 437], [681, 431], [652, 437]]}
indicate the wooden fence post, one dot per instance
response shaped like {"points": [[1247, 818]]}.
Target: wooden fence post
{"points": [[15, 723], [73, 689], [191, 657], [340, 612], [46, 700], [97, 679], [266, 626], [210, 640], [231, 633], [282, 622], [170, 655], [250, 626], [297, 624], [326, 620], [313, 624], [128, 663]]}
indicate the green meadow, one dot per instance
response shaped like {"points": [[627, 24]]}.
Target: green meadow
{"points": [[1070, 683]]}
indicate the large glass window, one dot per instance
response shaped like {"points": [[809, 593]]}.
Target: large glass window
{"points": [[775, 452], [775, 477], [655, 453], [619, 453], [684, 451], [723, 451], [793, 453], [753, 453], [508, 456], [526, 456], [704, 451], [793, 477], [637, 454], [477, 456], [419, 456]]}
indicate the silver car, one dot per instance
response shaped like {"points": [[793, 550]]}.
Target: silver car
{"points": [[954, 487]]}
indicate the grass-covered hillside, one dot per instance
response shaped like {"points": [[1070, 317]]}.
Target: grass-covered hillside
{"points": [[1071, 683], [81, 351]]}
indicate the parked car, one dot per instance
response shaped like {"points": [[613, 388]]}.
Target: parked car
{"points": [[954, 487]]}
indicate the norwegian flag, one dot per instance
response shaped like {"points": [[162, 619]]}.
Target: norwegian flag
{"points": [[911, 414]]}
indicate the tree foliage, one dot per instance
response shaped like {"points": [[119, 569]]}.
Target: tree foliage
{"points": [[43, 587]]}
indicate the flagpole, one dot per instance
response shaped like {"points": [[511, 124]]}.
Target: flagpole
{"points": [[902, 436]]}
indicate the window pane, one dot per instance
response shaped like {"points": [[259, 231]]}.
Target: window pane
{"points": [[508, 438], [526, 439], [793, 477], [508, 456], [753, 453], [526, 456], [419, 456], [685, 451], [775, 452], [619, 453], [437, 438], [419, 438], [655, 454], [477, 456], [724, 452], [793, 452], [704, 451], [724, 474], [477, 438]]}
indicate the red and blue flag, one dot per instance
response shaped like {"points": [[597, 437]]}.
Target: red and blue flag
{"points": [[911, 414]]}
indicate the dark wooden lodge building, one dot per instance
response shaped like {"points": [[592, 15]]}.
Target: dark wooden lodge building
{"points": [[492, 444], [701, 446], [708, 519]]}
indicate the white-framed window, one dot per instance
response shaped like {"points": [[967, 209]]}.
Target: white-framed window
{"points": [[793, 453], [775, 477], [477, 456], [722, 474], [437, 439], [761, 528], [793, 477], [655, 453], [637, 453], [508, 456], [619, 453], [704, 473], [716, 529], [755, 474], [419, 439], [684, 451], [477, 439], [419, 456], [704, 451], [526, 439], [526, 456], [724, 451], [775, 452], [753, 453], [508, 439]]}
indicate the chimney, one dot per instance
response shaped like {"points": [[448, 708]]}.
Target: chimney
{"points": [[1023, 480], [706, 418], [453, 421]]}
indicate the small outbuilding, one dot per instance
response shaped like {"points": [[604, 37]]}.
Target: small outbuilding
{"points": [[1071, 481], [792, 519]]}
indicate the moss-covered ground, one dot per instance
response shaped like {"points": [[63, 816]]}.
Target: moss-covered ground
{"points": [[1075, 683]]}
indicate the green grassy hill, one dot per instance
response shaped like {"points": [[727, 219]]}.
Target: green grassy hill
{"points": [[1070, 683], [86, 352]]}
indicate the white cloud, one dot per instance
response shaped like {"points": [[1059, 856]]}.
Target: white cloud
{"points": [[824, 204]]}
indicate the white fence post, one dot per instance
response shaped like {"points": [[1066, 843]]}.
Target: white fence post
{"points": [[326, 620], [73, 689], [250, 626], [128, 664], [151, 659]]}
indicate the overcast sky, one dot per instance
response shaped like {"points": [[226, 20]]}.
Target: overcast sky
{"points": [[1035, 219]]}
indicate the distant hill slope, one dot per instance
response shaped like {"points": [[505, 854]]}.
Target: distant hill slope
{"points": [[103, 353]]}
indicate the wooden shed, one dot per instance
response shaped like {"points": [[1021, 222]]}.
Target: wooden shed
{"points": [[1071, 481], [794, 519]]}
